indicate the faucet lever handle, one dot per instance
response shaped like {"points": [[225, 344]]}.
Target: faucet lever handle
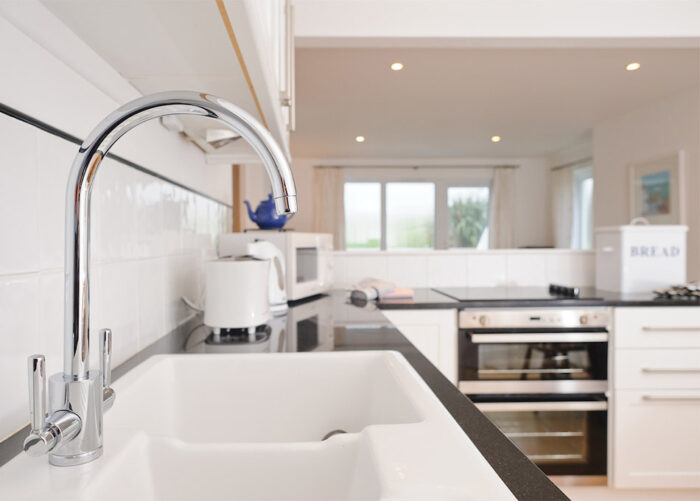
{"points": [[108, 394], [36, 365], [106, 357]]}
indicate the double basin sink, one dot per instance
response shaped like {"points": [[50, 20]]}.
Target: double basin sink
{"points": [[317, 426]]}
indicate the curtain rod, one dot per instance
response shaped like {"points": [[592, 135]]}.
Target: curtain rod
{"points": [[574, 163], [416, 167]]}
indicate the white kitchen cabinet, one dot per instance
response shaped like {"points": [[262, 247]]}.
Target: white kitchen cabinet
{"points": [[657, 327], [657, 438], [433, 332], [239, 50], [655, 412]]}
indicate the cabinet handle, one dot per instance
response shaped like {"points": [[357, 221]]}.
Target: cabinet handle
{"points": [[671, 370], [293, 72], [288, 97], [671, 329], [671, 398]]}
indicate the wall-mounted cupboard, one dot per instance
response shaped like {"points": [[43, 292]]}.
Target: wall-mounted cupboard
{"points": [[240, 50]]}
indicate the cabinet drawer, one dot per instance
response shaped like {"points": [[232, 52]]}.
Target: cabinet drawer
{"points": [[674, 327], [656, 438], [656, 369]]}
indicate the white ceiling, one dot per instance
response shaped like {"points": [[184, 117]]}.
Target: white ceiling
{"points": [[449, 102]]}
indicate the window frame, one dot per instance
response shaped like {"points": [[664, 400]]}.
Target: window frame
{"points": [[443, 179]]}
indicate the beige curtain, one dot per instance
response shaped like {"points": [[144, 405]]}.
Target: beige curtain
{"points": [[328, 203], [501, 230], [563, 206]]}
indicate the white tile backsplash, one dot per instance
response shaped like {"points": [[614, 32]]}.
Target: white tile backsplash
{"points": [[19, 251], [148, 238], [446, 270], [525, 270], [513, 267], [20, 338], [54, 157], [407, 270], [487, 269]]}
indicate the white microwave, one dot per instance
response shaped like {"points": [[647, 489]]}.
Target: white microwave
{"points": [[308, 257]]}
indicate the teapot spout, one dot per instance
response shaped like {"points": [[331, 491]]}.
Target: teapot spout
{"points": [[252, 215]]}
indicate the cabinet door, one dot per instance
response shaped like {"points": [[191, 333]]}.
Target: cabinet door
{"points": [[657, 327], [656, 438], [660, 369], [433, 332]]}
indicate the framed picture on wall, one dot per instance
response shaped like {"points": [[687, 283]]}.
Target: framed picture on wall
{"points": [[656, 190]]}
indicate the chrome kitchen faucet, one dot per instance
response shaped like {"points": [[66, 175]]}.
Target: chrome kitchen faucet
{"points": [[71, 431]]}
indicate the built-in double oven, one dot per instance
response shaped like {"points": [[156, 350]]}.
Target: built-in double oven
{"points": [[541, 376]]}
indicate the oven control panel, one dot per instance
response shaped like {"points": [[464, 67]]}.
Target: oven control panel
{"points": [[531, 318]]}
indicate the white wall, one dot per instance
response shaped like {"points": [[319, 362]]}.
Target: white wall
{"points": [[532, 225], [468, 268], [149, 237], [659, 129]]}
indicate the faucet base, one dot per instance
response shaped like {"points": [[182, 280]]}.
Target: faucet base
{"points": [[76, 459], [84, 398]]}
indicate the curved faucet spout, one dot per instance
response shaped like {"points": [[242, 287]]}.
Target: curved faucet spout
{"points": [[82, 175]]}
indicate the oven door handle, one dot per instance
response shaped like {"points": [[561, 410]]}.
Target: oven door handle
{"points": [[593, 405], [540, 337]]}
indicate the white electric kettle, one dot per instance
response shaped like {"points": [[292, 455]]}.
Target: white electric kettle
{"points": [[262, 249], [237, 293]]}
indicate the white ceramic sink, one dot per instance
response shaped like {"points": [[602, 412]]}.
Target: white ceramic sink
{"points": [[195, 427]]}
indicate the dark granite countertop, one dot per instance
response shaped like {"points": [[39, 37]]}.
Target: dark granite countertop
{"points": [[523, 297]]}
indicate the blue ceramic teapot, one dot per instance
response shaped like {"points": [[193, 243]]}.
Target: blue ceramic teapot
{"points": [[265, 215]]}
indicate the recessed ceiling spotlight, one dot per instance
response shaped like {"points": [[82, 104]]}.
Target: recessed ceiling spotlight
{"points": [[633, 66], [495, 139], [397, 66], [360, 139]]}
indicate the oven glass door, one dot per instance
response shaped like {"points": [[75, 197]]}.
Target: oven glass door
{"points": [[563, 437], [533, 356]]}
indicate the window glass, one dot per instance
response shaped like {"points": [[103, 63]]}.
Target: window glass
{"points": [[363, 216], [583, 208], [468, 217], [410, 215]]}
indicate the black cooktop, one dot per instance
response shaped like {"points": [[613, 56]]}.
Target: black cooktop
{"points": [[514, 294]]}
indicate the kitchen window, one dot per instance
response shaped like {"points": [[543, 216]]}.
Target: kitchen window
{"points": [[583, 208], [401, 215]]}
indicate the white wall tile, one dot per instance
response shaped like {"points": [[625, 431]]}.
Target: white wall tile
{"points": [[19, 197], [116, 299], [447, 271], [51, 305], [148, 196], [339, 275], [55, 157], [571, 269], [525, 270], [359, 267], [141, 264], [19, 299], [486, 270], [151, 300], [114, 214], [407, 271]]}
